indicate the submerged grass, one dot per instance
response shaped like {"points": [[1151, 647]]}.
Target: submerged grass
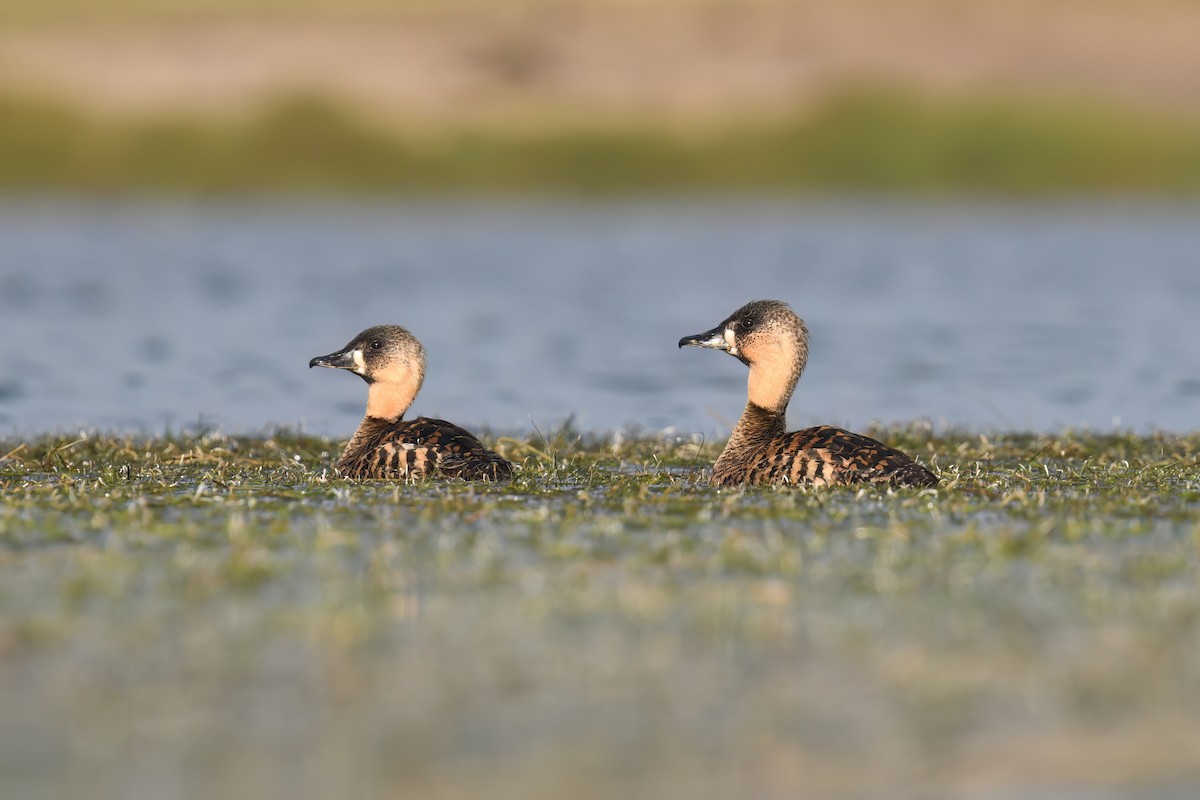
{"points": [[859, 140], [205, 614]]}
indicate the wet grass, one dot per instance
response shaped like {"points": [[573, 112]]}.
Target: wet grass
{"points": [[207, 615], [860, 140]]}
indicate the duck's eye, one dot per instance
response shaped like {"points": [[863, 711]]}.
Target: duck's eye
{"points": [[375, 345]]}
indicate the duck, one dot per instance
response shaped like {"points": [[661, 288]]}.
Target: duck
{"points": [[769, 338], [387, 446]]}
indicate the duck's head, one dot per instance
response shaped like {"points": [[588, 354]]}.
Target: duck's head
{"points": [[380, 354], [759, 331], [390, 360], [768, 337]]}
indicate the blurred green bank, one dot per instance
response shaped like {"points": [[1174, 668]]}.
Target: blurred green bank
{"points": [[858, 140]]}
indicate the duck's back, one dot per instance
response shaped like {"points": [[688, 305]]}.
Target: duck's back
{"points": [[418, 448], [822, 456]]}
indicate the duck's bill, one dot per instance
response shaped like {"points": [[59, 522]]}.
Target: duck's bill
{"points": [[343, 359], [714, 339]]}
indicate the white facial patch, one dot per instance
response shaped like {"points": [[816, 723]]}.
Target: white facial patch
{"points": [[731, 340], [360, 363]]}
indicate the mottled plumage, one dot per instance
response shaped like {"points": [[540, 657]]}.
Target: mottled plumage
{"points": [[392, 362], [418, 448], [768, 337]]}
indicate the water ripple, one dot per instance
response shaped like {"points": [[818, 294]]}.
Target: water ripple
{"points": [[984, 315]]}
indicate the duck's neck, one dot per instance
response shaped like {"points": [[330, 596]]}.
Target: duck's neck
{"points": [[756, 427], [389, 400], [386, 403], [769, 388], [771, 383]]}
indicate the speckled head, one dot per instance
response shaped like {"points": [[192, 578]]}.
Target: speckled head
{"points": [[768, 337], [378, 353], [390, 360], [756, 331]]}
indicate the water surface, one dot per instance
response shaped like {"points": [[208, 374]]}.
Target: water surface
{"points": [[148, 316]]}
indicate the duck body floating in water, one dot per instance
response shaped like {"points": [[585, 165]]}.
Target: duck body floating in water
{"points": [[768, 337], [392, 362]]}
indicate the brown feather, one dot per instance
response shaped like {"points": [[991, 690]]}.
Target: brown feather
{"points": [[820, 456], [419, 448]]}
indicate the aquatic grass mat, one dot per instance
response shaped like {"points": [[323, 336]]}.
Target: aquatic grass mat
{"points": [[208, 615]]}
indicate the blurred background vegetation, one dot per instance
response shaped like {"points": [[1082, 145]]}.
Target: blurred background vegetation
{"points": [[933, 96]]}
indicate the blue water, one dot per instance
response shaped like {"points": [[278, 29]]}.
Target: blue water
{"points": [[147, 316]]}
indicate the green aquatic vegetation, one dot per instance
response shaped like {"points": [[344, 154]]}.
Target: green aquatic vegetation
{"points": [[215, 608]]}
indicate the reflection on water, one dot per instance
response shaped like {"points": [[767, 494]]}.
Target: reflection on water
{"points": [[145, 316]]}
